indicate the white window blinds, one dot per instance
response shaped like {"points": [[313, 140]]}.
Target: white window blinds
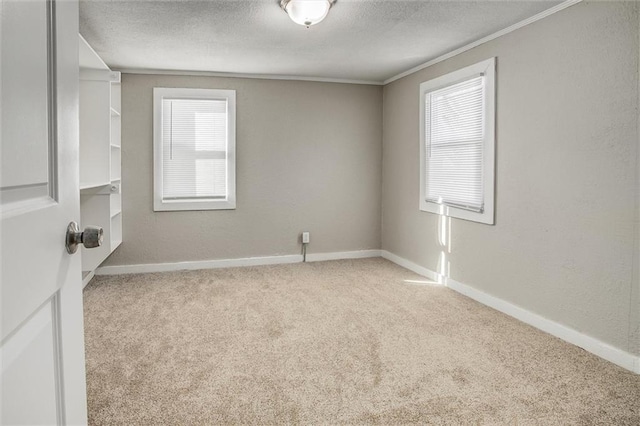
{"points": [[454, 139], [194, 149]]}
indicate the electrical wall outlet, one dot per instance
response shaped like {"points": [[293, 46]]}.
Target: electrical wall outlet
{"points": [[305, 238]]}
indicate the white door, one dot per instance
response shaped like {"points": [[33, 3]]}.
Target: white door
{"points": [[42, 344]]}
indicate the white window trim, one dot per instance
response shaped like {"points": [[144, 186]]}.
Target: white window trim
{"points": [[487, 215], [228, 203]]}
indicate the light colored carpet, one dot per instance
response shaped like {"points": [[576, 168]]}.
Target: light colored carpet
{"points": [[342, 342]]}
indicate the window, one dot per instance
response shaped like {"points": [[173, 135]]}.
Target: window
{"points": [[194, 149], [457, 143]]}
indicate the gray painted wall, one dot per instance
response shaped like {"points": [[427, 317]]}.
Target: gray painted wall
{"points": [[566, 174], [308, 159]]}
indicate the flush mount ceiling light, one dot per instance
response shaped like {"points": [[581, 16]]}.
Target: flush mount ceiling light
{"points": [[307, 12]]}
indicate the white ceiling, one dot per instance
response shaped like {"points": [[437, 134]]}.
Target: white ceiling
{"points": [[364, 40]]}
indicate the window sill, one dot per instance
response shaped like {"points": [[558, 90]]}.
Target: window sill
{"points": [[485, 217], [194, 205]]}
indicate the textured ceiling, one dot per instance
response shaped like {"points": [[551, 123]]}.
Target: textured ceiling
{"points": [[359, 40]]}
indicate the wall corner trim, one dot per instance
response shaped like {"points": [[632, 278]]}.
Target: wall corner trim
{"points": [[516, 26], [230, 263], [610, 353]]}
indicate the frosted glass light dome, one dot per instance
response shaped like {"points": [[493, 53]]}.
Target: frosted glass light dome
{"points": [[306, 12]]}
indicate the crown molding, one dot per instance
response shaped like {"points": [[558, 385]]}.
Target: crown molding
{"points": [[531, 20], [247, 75]]}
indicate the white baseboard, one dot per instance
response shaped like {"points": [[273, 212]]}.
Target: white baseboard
{"points": [[198, 264], [603, 350], [420, 270], [359, 254], [86, 279], [229, 263]]}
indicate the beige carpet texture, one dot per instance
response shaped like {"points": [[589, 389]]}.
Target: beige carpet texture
{"points": [[341, 342]]}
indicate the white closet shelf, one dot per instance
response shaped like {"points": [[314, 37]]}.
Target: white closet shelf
{"points": [[100, 153], [93, 185]]}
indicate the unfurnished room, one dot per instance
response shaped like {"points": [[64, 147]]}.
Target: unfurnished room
{"points": [[322, 212]]}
